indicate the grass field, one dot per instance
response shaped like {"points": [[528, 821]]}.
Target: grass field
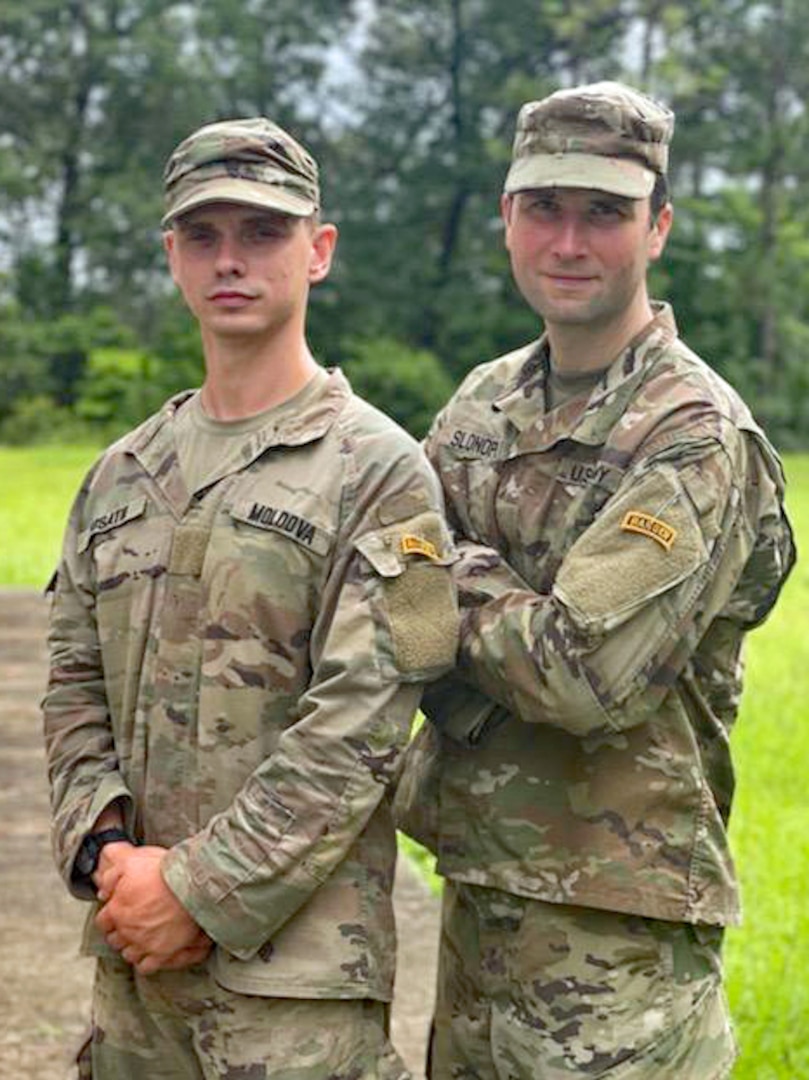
{"points": [[768, 958], [37, 487]]}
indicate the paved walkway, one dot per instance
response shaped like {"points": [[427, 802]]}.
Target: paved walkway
{"points": [[44, 987]]}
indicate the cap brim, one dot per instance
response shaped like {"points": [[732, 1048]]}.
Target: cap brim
{"points": [[619, 176], [243, 192]]}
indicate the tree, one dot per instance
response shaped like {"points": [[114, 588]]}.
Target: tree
{"points": [[71, 74], [270, 59], [421, 169], [94, 94], [737, 261], [409, 106]]}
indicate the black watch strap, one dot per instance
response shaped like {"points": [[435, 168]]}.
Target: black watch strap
{"points": [[110, 836], [92, 845]]}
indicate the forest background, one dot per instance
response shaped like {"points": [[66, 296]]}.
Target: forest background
{"points": [[409, 106]]}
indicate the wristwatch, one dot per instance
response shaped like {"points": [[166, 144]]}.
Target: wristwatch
{"points": [[90, 851]]}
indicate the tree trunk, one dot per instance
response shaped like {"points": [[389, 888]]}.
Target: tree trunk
{"points": [[771, 180]]}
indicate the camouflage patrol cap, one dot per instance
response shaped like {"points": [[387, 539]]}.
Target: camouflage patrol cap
{"points": [[251, 161], [605, 136]]}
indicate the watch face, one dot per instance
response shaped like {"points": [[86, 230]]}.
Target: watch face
{"points": [[87, 857]]}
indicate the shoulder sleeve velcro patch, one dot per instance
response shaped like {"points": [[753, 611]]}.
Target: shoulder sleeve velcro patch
{"points": [[647, 540], [424, 620], [412, 560]]}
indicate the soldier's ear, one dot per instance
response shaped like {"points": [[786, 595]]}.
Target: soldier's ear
{"points": [[507, 213], [324, 241], [168, 247], [661, 226]]}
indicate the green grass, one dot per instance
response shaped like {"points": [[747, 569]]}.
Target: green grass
{"points": [[37, 487], [767, 959]]}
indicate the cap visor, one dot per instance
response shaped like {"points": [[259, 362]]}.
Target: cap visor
{"points": [[243, 192], [619, 176]]}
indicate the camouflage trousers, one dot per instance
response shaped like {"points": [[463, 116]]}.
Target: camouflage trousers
{"points": [[184, 1026], [536, 991]]}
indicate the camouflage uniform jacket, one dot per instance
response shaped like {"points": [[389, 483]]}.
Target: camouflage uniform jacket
{"points": [[241, 669], [615, 551]]}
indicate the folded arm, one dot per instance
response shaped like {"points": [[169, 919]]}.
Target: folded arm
{"points": [[630, 602]]}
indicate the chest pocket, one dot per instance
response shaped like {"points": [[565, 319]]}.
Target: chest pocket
{"points": [[278, 541], [127, 542], [470, 463], [592, 484], [122, 548], [273, 512]]}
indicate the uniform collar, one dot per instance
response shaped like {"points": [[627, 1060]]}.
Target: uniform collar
{"points": [[320, 404], [588, 420]]}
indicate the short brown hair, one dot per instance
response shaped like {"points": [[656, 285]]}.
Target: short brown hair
{"points": [[660, 195]]}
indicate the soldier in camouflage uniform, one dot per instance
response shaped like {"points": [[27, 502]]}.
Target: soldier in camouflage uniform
{"points": [[254, 586], [621, 527]]}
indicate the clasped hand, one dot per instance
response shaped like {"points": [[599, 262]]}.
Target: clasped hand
{"points": [[141, 918]]}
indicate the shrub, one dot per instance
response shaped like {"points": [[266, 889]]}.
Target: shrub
{"points": [[40, 420], [408, 384]]}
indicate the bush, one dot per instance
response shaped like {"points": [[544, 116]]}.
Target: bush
{"points": [[116, 389], [408, 384], [40, 420], [44, 360], [121, 387]]}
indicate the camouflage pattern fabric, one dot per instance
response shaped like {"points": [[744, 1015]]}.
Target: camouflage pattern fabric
{"points": [[536, 991], [616, 550], [240, 669], [603, 135], [251, 161], [184, 1026]]}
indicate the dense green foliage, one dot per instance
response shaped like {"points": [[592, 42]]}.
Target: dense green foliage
{"points": [[768, 957], [411, 118], [409, 383]]}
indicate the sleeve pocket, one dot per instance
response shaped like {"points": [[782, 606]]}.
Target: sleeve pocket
{"points": [[410, 563], [647, 541]]}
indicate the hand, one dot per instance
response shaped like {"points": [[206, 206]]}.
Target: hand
{"points": [[141, 916], [148, 965], [183, 958], [110, 867]]}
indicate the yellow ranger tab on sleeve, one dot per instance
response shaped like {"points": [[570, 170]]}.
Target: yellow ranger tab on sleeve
{"points": [[415, 545], [638, 521]]}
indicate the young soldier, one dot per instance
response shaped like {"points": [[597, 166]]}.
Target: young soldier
{"points": [[622, 528], [253, 587]]}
